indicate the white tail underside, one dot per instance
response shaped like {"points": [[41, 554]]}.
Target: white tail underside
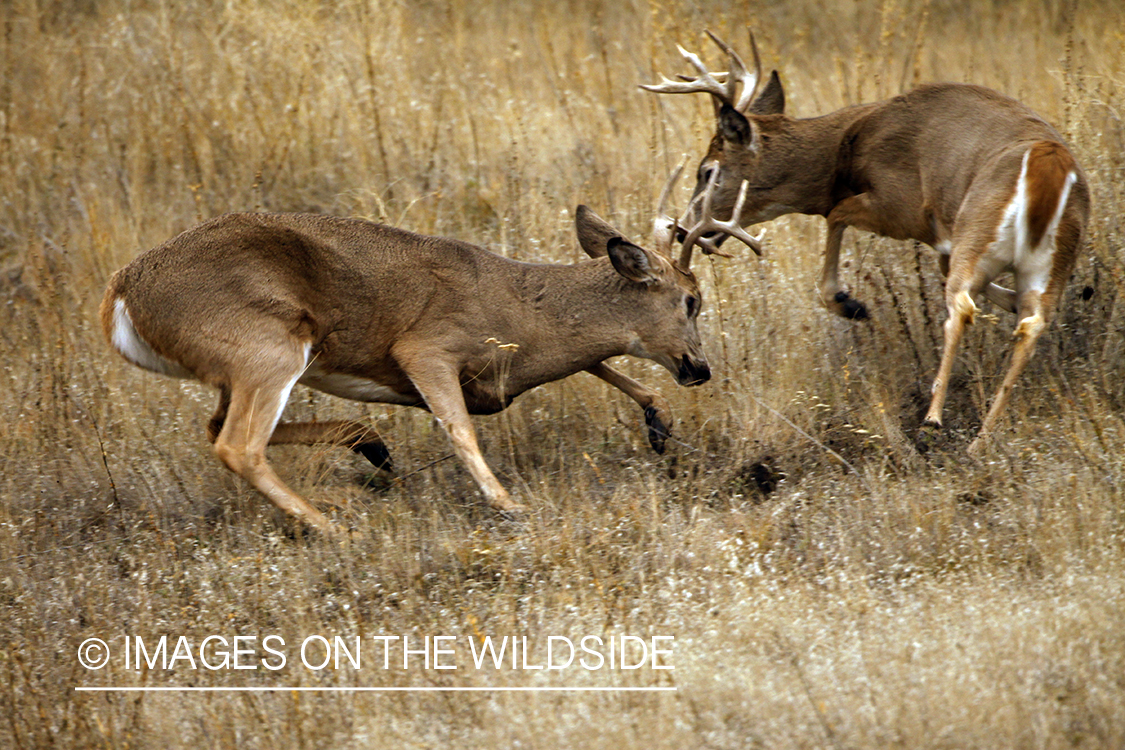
{"points": [[128, 341], [1013, 237]]}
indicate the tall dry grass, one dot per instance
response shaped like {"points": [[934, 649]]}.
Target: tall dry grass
{"points": [[828, 583]]}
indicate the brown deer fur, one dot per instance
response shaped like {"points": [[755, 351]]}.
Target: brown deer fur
{"points": [[256, 303], [969, 171]]}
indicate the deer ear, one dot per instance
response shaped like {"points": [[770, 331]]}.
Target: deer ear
{"points": [[633, 262], [771, 100], [594, 233], [735, 128]]}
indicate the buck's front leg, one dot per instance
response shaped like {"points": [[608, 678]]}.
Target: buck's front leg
{"points": [[852, 211], [440, 388], [658, 416]]}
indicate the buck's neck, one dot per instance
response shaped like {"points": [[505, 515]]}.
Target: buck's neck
{"points": [[802, 158], [576, 315]]}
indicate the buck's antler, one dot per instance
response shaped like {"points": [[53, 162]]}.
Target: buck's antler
{"points": [[708, 82], [664, 226], [708, 223], [739, 73]]}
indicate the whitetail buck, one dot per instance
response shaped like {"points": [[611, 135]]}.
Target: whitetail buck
{"points": [[970, 172], [255, 303]]}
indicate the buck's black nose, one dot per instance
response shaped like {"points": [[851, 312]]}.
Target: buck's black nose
{"points": [[693, 373]]}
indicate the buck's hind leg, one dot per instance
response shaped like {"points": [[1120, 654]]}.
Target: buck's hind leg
{"points": [[256, 399], [961, 309], [345, 433], [1035, 312], [1003, 298], [970, 271], [1033, 319]]}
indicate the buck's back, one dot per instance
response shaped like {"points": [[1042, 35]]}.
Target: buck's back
{"points": [[315, 276]]}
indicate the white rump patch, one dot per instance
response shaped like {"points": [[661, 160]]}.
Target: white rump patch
{"points": [[135, 349], [283, 397], [1012, 248]]}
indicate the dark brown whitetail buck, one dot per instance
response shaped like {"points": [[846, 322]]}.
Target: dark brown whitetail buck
{"points": [[974, 174], [255, 303]]}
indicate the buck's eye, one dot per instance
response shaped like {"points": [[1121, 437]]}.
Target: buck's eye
{"points": [[692, 306], [707, 171]]}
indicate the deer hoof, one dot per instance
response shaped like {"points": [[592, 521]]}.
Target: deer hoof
{"points": [[658, 431], [850, 308], [375, 452]]}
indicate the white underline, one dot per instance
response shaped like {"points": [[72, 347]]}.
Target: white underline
{"points": [[550, 689]]}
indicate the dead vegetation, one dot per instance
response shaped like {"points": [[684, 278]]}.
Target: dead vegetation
{"points": [[832, 579]]}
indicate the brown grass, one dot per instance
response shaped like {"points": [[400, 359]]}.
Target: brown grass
{"points": [[903, 599]]}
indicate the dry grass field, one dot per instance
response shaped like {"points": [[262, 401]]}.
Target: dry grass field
{"points": [[829, 581]]}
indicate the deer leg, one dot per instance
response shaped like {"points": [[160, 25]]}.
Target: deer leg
{"points": [[1003, 298], [996, 294], [345, 433], [857, 212], [657, 413], [253, 409], [961, 311], [215, 426], [361, 439], [1035, 310], [831, 296], [441, 390]]}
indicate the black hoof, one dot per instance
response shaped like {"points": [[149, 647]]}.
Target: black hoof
{"points": [[375, 452], [852, 309], [657, 430]]}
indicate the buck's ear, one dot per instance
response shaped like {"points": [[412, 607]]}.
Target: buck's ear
{"points": [[771, 100], [633, 262], [734, 127], [594, 233]]}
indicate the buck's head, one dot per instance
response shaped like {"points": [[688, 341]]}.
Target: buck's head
{"points": [[741, 180], [658, 300]]}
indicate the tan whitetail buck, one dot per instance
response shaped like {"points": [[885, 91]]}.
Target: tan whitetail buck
{"points": [[970, 172], [255, 303]]}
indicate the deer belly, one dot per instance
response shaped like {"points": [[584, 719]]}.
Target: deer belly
{"points": [[357, 388], [484, 397]]}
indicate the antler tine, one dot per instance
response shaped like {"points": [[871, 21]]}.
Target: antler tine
{"points": [[705, 82], [692, 238], [664, 226], [670, 184], [738, 73], [757, 65], [733, 228], [708, 223]]}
